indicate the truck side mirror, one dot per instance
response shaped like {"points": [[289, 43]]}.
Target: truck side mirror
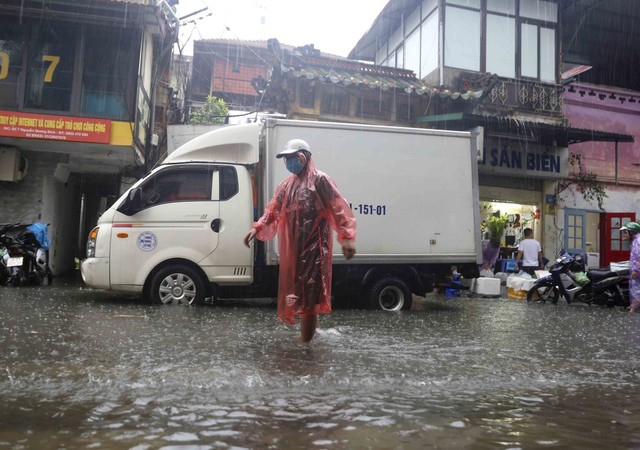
{"points": [[133, 202]]}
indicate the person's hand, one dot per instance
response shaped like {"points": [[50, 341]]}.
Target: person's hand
{"points": [[348, 248], [634, 274], [249, 236]]}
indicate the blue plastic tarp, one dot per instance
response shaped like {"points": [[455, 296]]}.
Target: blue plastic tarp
{"points": [[41, 234]]}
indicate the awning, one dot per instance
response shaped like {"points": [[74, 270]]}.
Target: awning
{"points": [[544, 132]]}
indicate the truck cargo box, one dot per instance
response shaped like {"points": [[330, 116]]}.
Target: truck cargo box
{"points": [[414, 192]]}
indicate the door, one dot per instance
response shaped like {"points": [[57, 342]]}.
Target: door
{"points": [[575, 230], [612, 247], [178, 219], [232, 261]]}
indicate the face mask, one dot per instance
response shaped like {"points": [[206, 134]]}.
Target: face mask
{"points": [[294, 165]]}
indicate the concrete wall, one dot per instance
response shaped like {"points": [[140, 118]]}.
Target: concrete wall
{"points": [[41, 198], [60, 208]]}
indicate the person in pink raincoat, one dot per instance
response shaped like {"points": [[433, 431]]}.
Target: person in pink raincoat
{"points": [[631, 231], [305, 207]]}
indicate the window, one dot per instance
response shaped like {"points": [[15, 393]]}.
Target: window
{"points": [[529, 51], [412, 52], [378, 107], [178, 185], [501, 45], [515, 45], [109, 63], [575, 231], [50, 66], [10, 61], [547, 54], [400, 58], [429, 50], [462, 39], [228, 182], [307, 93], [502, 6], [469, 3], [538, 52], [42, 68], [540, 10], [335, 100], [538, 40]]}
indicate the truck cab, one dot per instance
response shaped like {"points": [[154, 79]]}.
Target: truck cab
{"points": [[176, 232]]}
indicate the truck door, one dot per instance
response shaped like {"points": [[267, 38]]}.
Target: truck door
{"points": [[232, 261], [177, 221]]}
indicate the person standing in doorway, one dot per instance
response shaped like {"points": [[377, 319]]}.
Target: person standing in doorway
{"points": [[631, 231], [530, 252], [305, 207]]}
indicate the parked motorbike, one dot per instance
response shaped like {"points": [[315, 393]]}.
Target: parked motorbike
{"points": [[9, 265], [569, 279], [24, 258]]}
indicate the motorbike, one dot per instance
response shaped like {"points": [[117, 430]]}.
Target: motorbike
{"points": [[570, 280], [24, 257]]}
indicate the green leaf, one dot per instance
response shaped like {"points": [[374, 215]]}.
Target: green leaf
{"points": [[214, 111]]}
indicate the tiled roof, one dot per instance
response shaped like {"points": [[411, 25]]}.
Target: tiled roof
{"points": [[314, 65], [367, 75]]}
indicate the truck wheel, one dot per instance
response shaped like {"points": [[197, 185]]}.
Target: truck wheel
{"points": [[178, 284], [542, 294], [390, 294]]}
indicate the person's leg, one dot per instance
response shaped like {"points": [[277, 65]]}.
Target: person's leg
{"points": [[308, 324], [634, 295]]}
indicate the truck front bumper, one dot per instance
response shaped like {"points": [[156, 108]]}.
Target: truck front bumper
{"points": [[95, 272]]}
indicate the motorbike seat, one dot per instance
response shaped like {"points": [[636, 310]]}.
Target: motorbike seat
{"points": [[601, 274]]}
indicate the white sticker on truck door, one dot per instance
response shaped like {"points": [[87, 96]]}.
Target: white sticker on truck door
{"points": [[147, 241]]}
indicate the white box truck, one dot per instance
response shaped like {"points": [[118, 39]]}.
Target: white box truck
{"points": [[177, 234]]}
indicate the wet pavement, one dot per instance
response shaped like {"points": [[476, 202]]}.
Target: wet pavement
{"points": [[82, 368]]}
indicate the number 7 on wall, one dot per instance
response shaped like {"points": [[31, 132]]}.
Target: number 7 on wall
{"points": [[48, 76], [54, 60]]}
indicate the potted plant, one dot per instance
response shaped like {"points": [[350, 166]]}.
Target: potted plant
{"points": [[495, 225]]}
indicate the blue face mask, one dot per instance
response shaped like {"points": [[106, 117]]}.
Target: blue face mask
{"points": [[294, 165]]}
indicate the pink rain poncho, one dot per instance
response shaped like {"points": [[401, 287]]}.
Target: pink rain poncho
{"points": [[634, 266], [303, 211]]}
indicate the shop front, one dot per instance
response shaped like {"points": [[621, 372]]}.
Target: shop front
{"points": [[516, 176]]}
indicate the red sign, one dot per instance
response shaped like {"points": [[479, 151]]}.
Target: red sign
{"points": [[54, 128]]}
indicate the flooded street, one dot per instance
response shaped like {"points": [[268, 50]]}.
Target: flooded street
{"points": [[90, 369]]}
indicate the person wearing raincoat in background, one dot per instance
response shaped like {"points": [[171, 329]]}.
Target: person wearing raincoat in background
{"points": [[631, 231], [304, 209]]}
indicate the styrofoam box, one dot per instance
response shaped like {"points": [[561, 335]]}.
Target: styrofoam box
{"points": [[487, 286], [502, 276]]}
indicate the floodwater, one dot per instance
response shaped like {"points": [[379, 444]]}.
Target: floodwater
{"points": [[88, 369]]}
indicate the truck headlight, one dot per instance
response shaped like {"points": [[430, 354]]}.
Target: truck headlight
{"points": [[91, 243]]}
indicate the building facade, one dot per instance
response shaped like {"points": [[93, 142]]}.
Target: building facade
{"points": [[78, 88], [555, 158], [528, 169]]}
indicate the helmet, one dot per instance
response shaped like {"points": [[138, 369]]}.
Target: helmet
{"points": [[294, 145], [632, 227]]}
